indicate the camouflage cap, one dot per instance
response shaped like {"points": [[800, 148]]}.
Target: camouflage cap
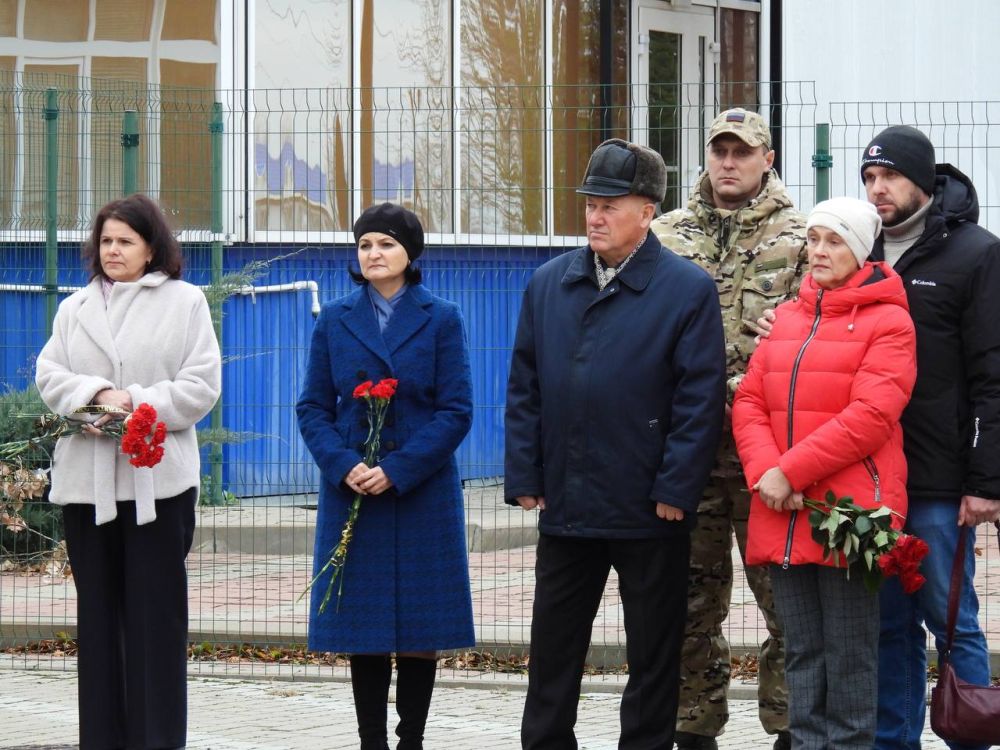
{"points": [[748, 126]]}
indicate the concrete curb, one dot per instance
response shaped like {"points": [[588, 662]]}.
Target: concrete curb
{"points": [[290, 529], [609, 684]]}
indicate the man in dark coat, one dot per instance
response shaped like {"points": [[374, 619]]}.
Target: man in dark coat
{"points": [[614, 412], [951, 428]]}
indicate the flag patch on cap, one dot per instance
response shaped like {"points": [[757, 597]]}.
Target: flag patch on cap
{"points": [[735, 117]]}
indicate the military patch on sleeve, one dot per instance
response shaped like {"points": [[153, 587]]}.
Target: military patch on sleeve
{"points": [[771, 265]]}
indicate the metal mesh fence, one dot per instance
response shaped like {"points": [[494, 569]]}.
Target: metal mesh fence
{"points": [[264, 185], [964, 134]]}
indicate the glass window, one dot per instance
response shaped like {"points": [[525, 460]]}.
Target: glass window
{"points": [[665, 122], [186, 96], [503, 117], [37, 78], [123, 20], [585, 108], [738, 66], [8, 17], [302, 105], [117, 84], [174, 155], [56, 20], [406, 107], [189, 19]]}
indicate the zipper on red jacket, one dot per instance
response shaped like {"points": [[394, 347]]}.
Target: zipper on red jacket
{"points": [[869, 464], [788, 541], [791, 417]]}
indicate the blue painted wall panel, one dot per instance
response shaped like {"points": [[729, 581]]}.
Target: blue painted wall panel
{"points": [[266, 339]]}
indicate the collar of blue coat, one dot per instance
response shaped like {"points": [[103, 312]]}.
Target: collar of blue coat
{"points": [[635, 275], [409, 317]]}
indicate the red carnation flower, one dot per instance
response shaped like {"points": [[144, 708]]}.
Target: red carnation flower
{"points": [[911, 580], [904, 560], [385, 389], [143, 437], [362, 390], [888, 564]]}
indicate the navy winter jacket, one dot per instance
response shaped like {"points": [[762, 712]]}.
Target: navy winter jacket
{"points": [[615, 398]]}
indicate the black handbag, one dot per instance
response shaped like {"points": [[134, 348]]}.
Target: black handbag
{"points": [[961, 712]]}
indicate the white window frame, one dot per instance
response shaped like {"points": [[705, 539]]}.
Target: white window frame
{"points": [[80, 53]]}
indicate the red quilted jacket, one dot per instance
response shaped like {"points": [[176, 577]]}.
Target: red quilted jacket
{"points": [[822, 399]]}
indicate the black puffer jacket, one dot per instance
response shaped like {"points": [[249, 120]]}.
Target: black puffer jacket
{"points": [[951, 427]]}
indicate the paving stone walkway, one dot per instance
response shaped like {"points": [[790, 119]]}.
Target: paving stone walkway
{"points": [[38, 711]]}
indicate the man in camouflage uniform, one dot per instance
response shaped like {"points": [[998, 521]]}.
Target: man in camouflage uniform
{"points": [[741, 227]]}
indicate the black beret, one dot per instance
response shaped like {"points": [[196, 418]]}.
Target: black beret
{"points": [[397, 222]]}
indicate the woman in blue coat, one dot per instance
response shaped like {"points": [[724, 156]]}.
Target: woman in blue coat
{"points": [[406, 579]]}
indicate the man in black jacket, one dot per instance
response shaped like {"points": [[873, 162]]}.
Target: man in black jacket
{"points": [[614, 412], [951, 428]]}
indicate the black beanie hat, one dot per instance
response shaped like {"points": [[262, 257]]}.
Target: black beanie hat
{"points": [[906, 150], [397, 222]]}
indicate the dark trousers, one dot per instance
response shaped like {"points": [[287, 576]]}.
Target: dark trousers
{"points": [[132, 619], [570, 575]]}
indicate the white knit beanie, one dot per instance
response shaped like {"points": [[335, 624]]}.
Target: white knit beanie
{"points": [[856, 221]]}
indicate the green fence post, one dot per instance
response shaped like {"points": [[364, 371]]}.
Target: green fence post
{"points": [[216, 129], [822, 161], [130, 152], [51, 113]]}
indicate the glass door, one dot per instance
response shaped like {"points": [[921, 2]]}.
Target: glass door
{"points": [[675, 63]]}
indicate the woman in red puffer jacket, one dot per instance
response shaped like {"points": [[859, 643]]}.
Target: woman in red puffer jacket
{"points": [[819, 410]]}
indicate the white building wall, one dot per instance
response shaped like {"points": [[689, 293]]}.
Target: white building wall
{"points": [[934, 64]]}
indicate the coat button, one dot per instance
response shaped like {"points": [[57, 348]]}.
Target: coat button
{"points": [[362, 375], [390, 445], [766, 286], [363, 422], [361, 447], [389, 421]]}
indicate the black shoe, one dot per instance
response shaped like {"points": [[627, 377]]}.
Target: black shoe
{"points": [[784, 741], [689, 741]]}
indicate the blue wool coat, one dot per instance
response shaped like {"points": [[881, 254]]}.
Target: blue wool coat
{"points": [[406, 580]]}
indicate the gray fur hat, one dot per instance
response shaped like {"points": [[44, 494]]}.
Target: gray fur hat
{"points": [[618, 167]]}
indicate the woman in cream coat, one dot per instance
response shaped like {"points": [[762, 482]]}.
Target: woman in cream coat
{"points": [[135, 334]]}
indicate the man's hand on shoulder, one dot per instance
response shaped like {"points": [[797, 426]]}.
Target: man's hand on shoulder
{"points": [[764, 324], [976, 510], [669, 512], [530, 502]]}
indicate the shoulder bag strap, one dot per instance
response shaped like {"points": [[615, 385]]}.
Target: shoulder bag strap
{"points": [[955, 593], [957, 575]]}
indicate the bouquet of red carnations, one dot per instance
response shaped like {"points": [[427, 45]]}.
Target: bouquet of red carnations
{"points": [[378, 396], [24, 464]]}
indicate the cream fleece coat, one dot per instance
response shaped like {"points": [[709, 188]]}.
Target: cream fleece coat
{"points": [[153, 338]]}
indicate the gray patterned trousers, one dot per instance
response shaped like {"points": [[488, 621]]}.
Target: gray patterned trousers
{"points": [[831, 629]]}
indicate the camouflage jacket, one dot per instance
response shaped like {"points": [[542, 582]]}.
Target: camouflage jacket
{"points": [[756, 254]]}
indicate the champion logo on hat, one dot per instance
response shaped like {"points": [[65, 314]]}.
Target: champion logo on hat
{"points": [[735, 117], [875, 150]]}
